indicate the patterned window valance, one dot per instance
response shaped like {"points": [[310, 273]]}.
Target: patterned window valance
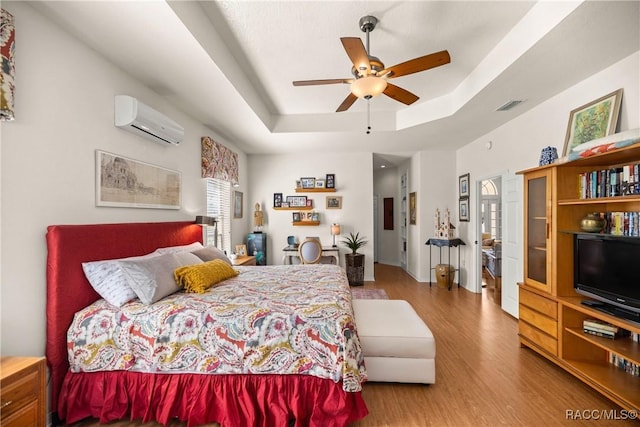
{"points": [[7, 46], [218, 161]]}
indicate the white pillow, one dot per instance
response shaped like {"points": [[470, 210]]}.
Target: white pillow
{"points": [[108, 280], [152, 279], [184, 248]]}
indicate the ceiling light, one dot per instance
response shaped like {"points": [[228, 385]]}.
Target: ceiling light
{"points": [[368, 87]]}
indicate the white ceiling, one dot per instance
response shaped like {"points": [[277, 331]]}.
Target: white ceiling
{"points": [[230, 64]]}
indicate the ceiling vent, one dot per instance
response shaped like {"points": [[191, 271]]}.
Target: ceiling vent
{"points": [[509, 105]]}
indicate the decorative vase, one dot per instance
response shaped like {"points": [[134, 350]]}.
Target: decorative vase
{"points": [[444, 275], [548, 155], [355, 268], [592, 223]]}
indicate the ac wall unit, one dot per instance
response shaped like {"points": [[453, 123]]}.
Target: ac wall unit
{"points": [[136, 117]]}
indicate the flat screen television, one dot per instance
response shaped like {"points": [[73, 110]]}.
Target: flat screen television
{"points": [[607, 268]]}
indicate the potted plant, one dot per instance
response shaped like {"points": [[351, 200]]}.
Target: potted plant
{"points": [[354, 261]]}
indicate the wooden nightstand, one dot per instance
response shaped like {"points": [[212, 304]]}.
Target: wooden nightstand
{"points": [[244, 260], [22, 391]]}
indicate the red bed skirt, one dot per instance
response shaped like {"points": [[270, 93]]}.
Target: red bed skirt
{"points": [[231, 400]]}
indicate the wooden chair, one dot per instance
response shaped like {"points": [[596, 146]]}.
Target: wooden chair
{"points": [[310, 251]]}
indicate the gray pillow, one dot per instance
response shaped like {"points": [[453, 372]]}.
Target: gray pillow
{"points": [[152, 279], [210, 253]]}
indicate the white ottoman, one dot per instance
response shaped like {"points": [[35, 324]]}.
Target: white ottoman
{"points": [[397, 345]]}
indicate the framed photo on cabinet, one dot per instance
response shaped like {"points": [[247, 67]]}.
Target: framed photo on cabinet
{"points": [[593, 120]]}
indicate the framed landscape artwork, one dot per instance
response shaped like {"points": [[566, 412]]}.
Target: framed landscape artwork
{"points": [[593, 120], [128, 183]]}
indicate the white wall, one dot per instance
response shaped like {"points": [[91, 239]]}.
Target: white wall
{"points": [[354, 182], [386, 183], [517, 144], [432, 177], [64, 112]]}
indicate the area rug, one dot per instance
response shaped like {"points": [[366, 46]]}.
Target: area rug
{"points": [[361, 293]]}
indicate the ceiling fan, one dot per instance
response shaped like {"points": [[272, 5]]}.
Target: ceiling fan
{"points": [[370, 77]]}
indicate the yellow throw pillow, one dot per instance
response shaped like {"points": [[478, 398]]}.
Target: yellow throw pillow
{"points": [[200, 277]]}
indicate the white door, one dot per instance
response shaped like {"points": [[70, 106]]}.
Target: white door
{"points": [[512, 234]]}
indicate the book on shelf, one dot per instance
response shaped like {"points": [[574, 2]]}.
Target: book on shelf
{"points": [[622, 363], [599, 324], [613, 182]]}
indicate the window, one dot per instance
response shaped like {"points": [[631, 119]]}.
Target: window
{"points": [[219, 206], [491, 209]]}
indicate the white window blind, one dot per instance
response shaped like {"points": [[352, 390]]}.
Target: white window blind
{"points": [[219, 206]]}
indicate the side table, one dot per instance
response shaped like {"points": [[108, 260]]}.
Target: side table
{"points": [[440, 243]]}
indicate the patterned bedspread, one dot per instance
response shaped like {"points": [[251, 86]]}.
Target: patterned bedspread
{"points": [[285, 319]]}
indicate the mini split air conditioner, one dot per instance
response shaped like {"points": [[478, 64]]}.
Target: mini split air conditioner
{"points": [[136, 117]]}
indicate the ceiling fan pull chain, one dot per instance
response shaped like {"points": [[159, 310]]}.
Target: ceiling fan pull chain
{"points": [[368, 116]]}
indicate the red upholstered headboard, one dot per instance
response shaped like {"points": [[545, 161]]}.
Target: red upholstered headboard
{"points": [[68, 291]]}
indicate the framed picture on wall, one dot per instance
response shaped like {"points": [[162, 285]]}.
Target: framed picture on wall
{"points": [[463, 207], [237, 204], [463, 186], [412, 208]]}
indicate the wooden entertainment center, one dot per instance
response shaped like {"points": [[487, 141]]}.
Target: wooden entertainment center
{"points": [[550, 311]]}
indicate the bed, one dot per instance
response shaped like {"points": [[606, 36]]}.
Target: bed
{"points": [[303, 393]]}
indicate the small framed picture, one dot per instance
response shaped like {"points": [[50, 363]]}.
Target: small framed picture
{"points": [[309, 203], [334, 202], [284, 205], [297, 201], [277, 200], [298, 184], [308, 182], [319, 183], [241, 250], [463, 186], [296, 217], [463, 205], [315, 216], [331, 180]]}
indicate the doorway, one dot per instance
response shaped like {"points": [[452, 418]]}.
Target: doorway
{"points": [[490, 237]]}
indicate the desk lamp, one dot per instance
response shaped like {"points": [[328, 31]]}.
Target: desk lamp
{"points": [[335, 231]]}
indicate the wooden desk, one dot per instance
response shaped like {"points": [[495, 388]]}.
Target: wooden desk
{"points": [[327, 251], [244, 260]]}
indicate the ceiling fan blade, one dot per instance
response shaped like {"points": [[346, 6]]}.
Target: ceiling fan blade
{"points": [[399, 94], [348, 102], [357, 54], [321, 82], [417, 64]]}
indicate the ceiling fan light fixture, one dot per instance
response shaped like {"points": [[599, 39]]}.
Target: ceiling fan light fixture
{"points": [[368, 87]]}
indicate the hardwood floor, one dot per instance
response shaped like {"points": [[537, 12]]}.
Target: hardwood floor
{"points": [[483, 376]]}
